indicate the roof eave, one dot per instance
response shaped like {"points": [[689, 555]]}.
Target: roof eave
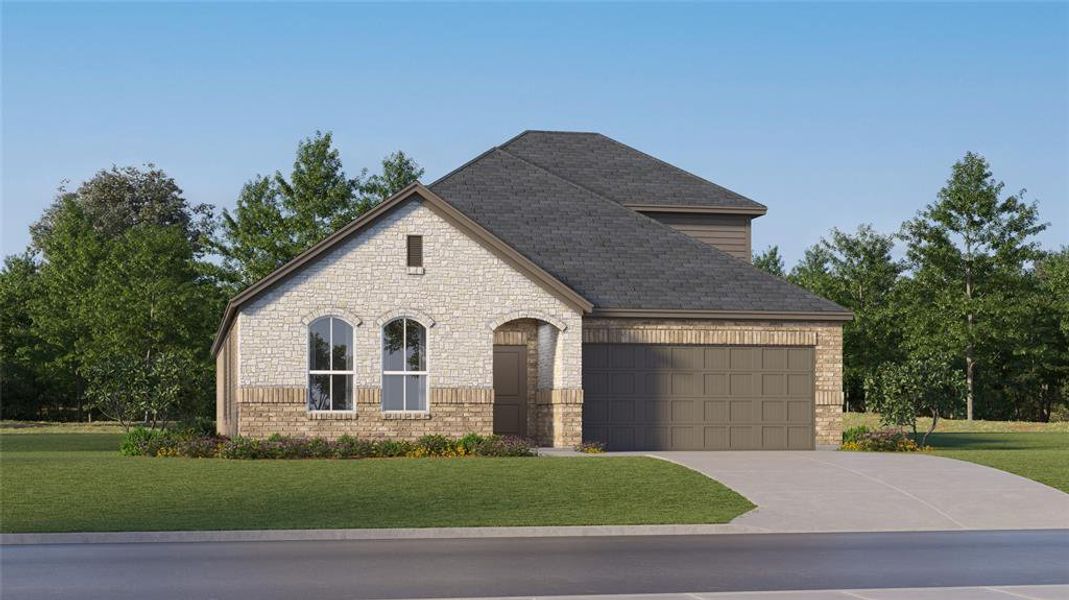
{"points": [[753, 211], [739, 315]]}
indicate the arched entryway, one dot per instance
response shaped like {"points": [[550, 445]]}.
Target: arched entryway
{"points": [[524, 356]]}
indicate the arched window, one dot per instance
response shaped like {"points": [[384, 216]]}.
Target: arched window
{"points": [[330, 364], [404, 366]]}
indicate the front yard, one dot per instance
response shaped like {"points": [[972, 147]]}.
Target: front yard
{"points": [[79, 482], [1038, 451]]}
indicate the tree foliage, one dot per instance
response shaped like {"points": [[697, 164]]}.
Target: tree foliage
{"points": [[922, 385], [277, 218], [857, 271], [770, 261], [967, 253]]}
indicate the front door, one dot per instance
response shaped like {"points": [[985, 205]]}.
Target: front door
{"points": [[510, 390]]}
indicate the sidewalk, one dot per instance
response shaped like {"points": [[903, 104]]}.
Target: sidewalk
{"points": [[1017, 592]]}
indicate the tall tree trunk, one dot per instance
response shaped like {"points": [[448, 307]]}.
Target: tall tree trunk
{"points": [[969, 363]]}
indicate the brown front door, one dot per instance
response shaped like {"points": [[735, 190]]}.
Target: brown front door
{"points": [[510, 390]]}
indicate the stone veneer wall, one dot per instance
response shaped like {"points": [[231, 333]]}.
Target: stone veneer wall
{"points": [[462, 294], [825, 337]]}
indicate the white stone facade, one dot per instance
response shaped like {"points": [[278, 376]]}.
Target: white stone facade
{"points": [[463, 293]]}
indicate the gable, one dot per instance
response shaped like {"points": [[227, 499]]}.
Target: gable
{"points": [[417, 194]]}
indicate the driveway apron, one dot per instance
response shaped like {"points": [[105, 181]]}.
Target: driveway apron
{"points": [[857, 491]]}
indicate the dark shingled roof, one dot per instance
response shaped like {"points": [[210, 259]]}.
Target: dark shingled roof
{"points": [[621, 173], [611, 255]]}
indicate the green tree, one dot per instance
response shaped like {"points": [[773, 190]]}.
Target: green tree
{"points": [[277, 218], [918, 386], [966, 254], [770, 261], [857, 270], [112, 258]]}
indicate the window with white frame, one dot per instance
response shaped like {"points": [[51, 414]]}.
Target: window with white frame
{"points": [[404, 366], [330, 364]]}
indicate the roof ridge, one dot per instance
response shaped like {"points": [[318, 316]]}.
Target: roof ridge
{"points": [[679, 169], [637, 216]]}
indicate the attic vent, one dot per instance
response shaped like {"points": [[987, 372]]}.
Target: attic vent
{"points": [[415, 250]]}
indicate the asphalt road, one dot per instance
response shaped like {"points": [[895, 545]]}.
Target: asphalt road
{"points": [[538, 566]]}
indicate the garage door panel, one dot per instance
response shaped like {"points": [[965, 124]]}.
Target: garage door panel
{"points": [[716, 411], [717, 359], [773, 411], [800, 359], [773, 384], [716, 384], [799, 385], [773, 438], [698, 397], [622, 384], [741, 384], [799, 411], [774, 359]]}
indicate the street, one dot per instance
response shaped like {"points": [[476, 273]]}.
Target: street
{"points": [[533, 566]]}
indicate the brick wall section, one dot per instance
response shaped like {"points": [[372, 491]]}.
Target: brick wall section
{"points": [[458, 411], [562, 411], [463, 294], [825, 338]]}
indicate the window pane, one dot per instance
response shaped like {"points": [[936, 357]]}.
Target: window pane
{"points": [[393, 394], [319, 345], [319, 392], [343, 346], [342, 392], [416, 392], [393, 338], [416, 347]]}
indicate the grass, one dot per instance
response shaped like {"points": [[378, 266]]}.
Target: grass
{"points": [[872, 420], [79, 482], [1043, 457], [1038, 451]]}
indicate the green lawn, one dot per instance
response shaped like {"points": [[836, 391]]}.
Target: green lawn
{"points": [[1038, 451], [79, 482], [1043, 457]]}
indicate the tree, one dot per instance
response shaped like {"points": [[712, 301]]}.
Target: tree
{"points": [[146, 389], [118, 268], [278, 218], [856, 270], [966, 253], [918, 386], [770, 261]]}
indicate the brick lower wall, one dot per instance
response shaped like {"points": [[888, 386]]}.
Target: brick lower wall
{"points": [[826, 338], [453, 412], [561, 413]]}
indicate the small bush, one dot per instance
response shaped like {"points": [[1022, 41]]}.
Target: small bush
{"points": [[884, 440], [590, 447], [855, 433], [146, 442]]}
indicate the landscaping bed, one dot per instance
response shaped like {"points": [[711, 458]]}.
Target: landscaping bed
{"points": [[80, 482]]}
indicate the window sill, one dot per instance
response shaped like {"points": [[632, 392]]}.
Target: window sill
{"points": [[396, 415], [332, 415], [415, 270]]}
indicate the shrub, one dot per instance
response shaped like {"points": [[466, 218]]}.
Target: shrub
{"points": [[148, 442], [884, 440], [855, 433], [590, 447]]}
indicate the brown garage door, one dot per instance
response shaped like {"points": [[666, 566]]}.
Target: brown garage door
{"points": [[657, 397]]}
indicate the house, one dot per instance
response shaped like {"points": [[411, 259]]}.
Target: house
{"points": [[561, 286]]}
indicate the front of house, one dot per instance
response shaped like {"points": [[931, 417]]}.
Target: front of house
{"points": [[559, 287]]}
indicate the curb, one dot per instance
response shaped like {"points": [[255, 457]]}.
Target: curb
{"points": [[430, 533]]}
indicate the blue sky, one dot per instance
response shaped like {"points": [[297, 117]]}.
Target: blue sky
{"points": [[831, 114]]}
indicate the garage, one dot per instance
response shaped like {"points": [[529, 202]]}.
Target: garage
{"points": [[692, 397]]}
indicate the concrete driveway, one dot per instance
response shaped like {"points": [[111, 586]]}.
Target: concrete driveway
{"points": [[857, 491]]}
